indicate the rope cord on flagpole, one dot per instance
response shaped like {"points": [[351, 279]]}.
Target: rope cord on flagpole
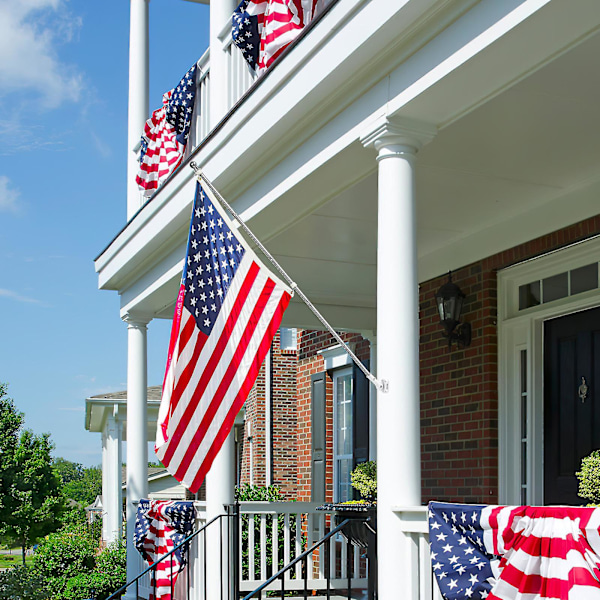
{"points": [[380, 385]]}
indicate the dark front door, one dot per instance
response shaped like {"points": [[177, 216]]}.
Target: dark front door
{"points": [[571, 417]]}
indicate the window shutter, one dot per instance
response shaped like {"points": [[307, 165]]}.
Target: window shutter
{"points": [[360, 416], [318, 437]]}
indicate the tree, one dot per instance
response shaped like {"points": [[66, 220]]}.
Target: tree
{"points": [[86, 487], [31, 498], [67, 470], [11, 422]]}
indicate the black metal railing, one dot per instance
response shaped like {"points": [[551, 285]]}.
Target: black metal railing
{"points": [[303, 559], [231, 547]]}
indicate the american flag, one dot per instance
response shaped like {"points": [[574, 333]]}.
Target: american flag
{"points": [[160, 526], [166, 134], [515, 552], [228, 310], [263, 29]]}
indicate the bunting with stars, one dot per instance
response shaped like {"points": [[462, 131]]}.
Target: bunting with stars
{"points": [[228, 310], [166, 134], [161, 526], [515, 552], [263, 29]]}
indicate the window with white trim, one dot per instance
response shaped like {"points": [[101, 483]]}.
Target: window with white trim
{"points": [[342, 434]]}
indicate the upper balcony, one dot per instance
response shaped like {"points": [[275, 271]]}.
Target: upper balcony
{"points": [[286, 148]]}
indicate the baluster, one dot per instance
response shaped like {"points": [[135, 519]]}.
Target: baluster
{"points": [[263, 547], [251, 547], [275, 542], [344, 559], [310, 521], [298, 544], [286, 542]]}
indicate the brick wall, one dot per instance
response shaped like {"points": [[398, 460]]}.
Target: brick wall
{"points": [[459, 389], [283, 416]]}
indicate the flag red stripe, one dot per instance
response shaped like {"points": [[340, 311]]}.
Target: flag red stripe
{"points": [[227, 377], [243, 393]]}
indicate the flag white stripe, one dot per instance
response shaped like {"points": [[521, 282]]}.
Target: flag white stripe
{"points": [[548, 568], [217, 374], [236, 384]]}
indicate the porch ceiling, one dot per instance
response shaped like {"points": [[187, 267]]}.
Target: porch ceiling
{"points": [[521, 165]]}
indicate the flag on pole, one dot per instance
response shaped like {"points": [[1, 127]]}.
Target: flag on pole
{"points": [[228, 310], [515, 552], [166, 134], [160, 526], [263, 29]]}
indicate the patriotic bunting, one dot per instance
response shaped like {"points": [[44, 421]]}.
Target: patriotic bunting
{"points": [[263, 29], [515, 552], [166, 134], [160, 526]]}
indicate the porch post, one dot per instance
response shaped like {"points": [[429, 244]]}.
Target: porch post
{"points": [[220, 15], [373, 400], [137, 435], [220, 483], [138, 94], [398, 418], [111, 481]]}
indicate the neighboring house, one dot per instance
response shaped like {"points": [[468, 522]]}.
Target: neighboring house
{"points": [[396, 141]]}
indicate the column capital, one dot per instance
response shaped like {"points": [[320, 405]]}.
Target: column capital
{"points": [[136, 320], [409, 134]]}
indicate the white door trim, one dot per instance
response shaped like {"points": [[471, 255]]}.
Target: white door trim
{"points": [[522, 330]]}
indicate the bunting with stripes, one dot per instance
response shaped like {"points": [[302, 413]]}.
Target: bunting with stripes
{"points": [[515, 552], [160, 527]]}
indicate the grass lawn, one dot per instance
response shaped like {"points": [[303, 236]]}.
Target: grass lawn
{"points": [[14, 559]]}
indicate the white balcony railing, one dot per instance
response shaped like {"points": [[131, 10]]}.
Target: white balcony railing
{"points": [[281, 531], [239, 76]]}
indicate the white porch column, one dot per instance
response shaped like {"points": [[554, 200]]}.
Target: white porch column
{"points": [[220, 15], [112, 497], [373, 400], [138, 94], [220, 483], [398, 415], [137, 434]]}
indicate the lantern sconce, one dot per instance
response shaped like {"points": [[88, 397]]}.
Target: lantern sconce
{"points": [[449, 299]]}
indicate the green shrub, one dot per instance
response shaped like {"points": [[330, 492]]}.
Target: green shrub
{"points": [[364, 479], [22, 583], [111, 570], [589, 477], [63, 555]]}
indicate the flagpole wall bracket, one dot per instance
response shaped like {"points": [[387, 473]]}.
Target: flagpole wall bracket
{"points": [[383, 385]]}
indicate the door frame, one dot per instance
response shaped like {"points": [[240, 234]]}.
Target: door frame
{"points": [[523, 331]]}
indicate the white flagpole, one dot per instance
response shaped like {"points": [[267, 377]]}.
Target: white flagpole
{"points": [[379, 384]]}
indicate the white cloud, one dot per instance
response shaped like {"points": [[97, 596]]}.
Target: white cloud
{"points": [[30, 31], [17, 297], [8, 195]]}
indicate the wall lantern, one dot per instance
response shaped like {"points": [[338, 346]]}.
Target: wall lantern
{"points": [[449, 299]]}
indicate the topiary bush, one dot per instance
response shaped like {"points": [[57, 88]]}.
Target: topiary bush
{"points": [[364, 480], [589, 477]]}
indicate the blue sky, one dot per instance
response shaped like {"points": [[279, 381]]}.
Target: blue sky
{"points": [[63, 143]]}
